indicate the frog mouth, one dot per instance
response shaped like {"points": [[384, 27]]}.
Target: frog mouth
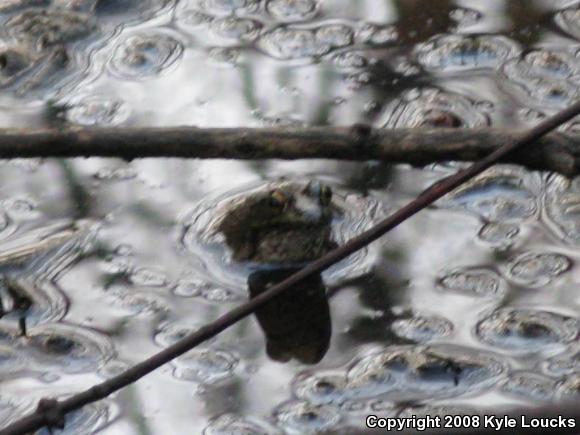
{"points": [[310, 213]]}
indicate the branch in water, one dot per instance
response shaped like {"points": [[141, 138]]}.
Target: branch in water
{"points": [[555, 152]]}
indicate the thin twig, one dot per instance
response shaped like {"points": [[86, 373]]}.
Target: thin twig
{"points": [[51, 411], [419, 146]]}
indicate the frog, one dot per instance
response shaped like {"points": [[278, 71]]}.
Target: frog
{"points": [[286, 223]]}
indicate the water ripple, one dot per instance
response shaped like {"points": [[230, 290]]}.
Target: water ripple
{"points": [[322, 387], [473, 281], [230, 6], [499, 235], [422, 328], [428, 107], [564, 364], [448, 53], [206, 366], [562, 206], [537, 269], [529, 385], [527, 330], [295, 42], [500, 194], [292, 10], [544, 77], [413, 372], [70, 348], [144, 55], [97, 109]]}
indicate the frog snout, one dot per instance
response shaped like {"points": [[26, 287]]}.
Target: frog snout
{"points": [[310, 210]]}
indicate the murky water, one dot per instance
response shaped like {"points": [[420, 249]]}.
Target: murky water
{"points": [[469, 305]]}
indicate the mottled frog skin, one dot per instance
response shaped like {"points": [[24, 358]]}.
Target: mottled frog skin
{"points": [[288, 223]]}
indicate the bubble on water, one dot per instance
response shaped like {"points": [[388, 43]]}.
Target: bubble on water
{"points": [[292, 42], [172, 332], [537, 269], [115, 174], [448, 53], [428, 107], [544, 62], [529, 385], [499, 235], [419, 372], [240, 29], [350, 60], [564, 364], [148, 277], [335, 35], [562, 207], [193, 17], [300, 417], [292, 10], [228, 56], [137, 302], [323, 387], [473, 281], [220, 295], [231, 424], [502, 193], [527, 330], [359, 79], [544, 77], [206, 366], [373, 34], [230, 6], [191, 287], [117, 265], [422, 328], [97, 109], [144, 55]]}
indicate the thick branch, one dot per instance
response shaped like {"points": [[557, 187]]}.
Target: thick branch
{"points": [[556, 152]]}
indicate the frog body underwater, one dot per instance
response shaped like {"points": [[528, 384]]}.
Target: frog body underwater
{"points": [[288, 223]]}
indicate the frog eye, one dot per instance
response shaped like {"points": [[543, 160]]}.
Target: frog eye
{"points": [[325, 195], [278, 199]]}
